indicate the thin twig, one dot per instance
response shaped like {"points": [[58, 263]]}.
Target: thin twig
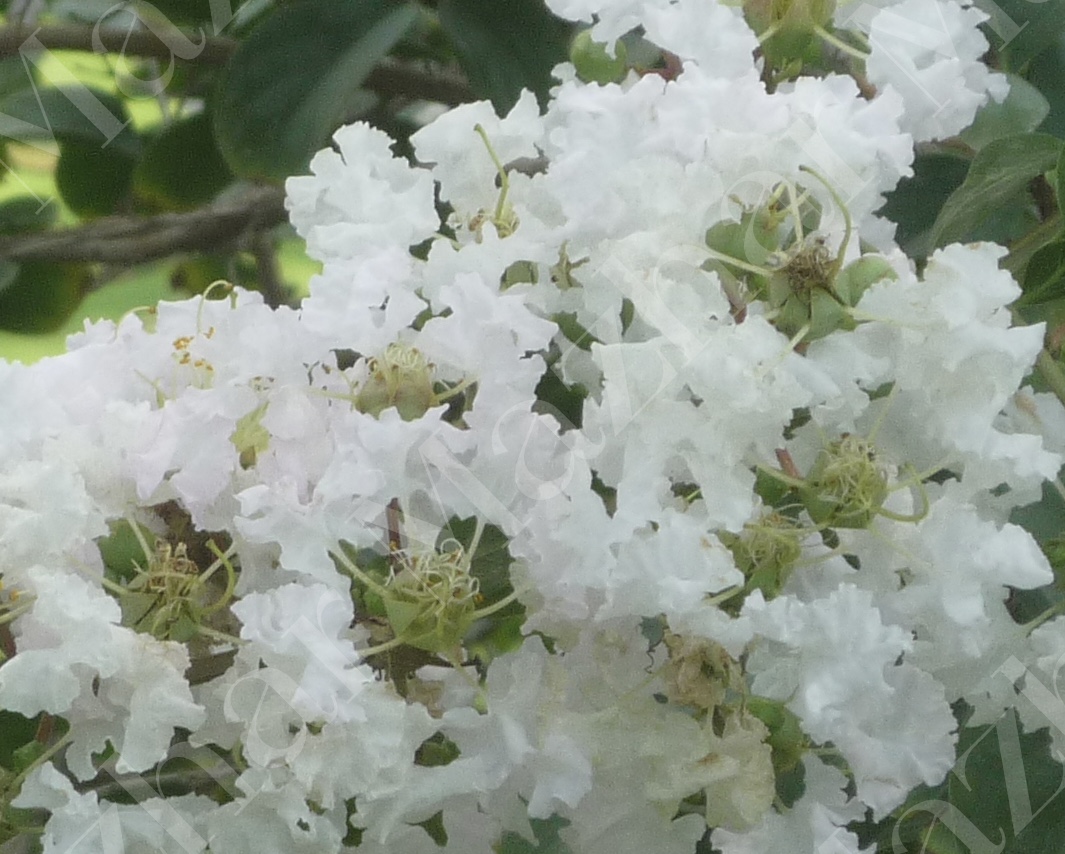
{"points": [[270, 284], [390, 78], [134, 240], [213, 50]]}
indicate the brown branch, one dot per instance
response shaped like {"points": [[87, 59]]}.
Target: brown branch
{"points": [[214, 50], [224, 224], [389, 78]]}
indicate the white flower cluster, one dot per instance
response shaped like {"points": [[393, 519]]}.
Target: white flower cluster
{"points": [[653, 490]]}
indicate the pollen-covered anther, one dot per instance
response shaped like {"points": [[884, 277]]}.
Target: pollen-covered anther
{"points": [[810, 268], [766, 551], [431, 600]]}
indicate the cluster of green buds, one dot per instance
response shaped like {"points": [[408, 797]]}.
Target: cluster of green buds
{"points": [[846, 487], [771, 256]]}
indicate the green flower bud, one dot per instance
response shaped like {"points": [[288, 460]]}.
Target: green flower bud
{"points": [[861, 274], [432, 601], [402, 378], [827, 315]]}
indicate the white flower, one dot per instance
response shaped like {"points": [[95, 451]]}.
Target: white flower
{"points": [[816, 822], [930, 52], [361, 198], [110, 683]]}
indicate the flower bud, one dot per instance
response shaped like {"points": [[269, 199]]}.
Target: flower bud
{"points": [[861, 274], [402, 378]]}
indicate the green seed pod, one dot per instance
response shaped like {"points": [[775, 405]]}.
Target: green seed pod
{"points": [[431, 602], [402, 378], [826, 316], [861, 274], [792, 316]]}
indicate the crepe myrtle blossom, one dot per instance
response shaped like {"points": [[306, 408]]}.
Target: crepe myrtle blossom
{"points": [[652, 500]]}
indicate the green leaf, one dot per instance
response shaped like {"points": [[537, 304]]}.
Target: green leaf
{"points": [[915, 202], [1023, 110], [1007, 786], [15, 732], [1020, 30], [296, 77], [547, 838], [182, 168], [997, 175], [41, 296], [1043, 276], [506, 46], [25, 213], [1059, 183], [1047, 71], [68, 113], [14, 75], [93, 180]]}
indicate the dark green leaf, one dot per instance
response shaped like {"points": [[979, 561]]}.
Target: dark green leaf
{"points": [[998, 174], [15, 731], [296, 78], [566, 403], [1023, 111], [1047, 73], [25, 213], [14, 75], [68, 113], [1043, 277], [1020, 30], [915, 202], [434, 826], [1059, 184], [93, 180], [1043, 519], [506, 46], [182, 168], [1007, 787], [41, 296], [547, 839]]}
